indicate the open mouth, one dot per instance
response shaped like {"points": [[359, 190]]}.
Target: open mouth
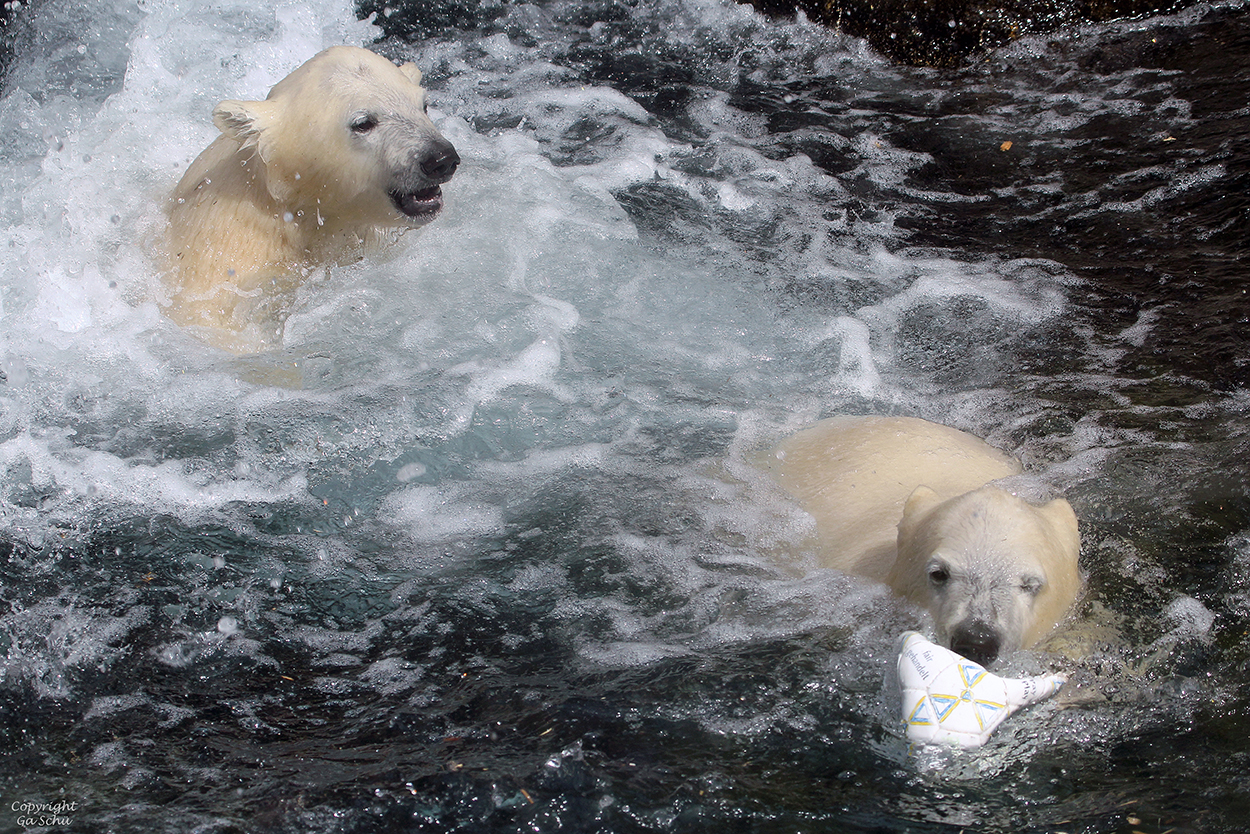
{"points": [[423, 203]]}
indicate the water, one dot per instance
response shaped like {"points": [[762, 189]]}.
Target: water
{"points": [[480, 546]]}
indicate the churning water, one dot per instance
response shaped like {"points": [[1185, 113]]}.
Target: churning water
{"points": [[480, 546]]}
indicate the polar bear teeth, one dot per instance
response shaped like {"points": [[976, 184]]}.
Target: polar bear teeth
{"points": [[418, 203]]}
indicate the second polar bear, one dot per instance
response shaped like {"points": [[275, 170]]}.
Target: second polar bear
{"points": [[910, 503], [338, 154]]}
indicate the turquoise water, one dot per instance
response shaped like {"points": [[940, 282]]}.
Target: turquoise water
{"points": [[479, 546]]}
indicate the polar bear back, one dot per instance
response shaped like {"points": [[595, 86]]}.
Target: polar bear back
{"points": [[853, 475]]}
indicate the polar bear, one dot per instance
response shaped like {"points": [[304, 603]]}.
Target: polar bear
{"points": [[338, 155], [912, 504]]}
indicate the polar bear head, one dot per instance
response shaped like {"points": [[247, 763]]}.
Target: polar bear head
{"points": [[345, 139], [996, 572]]}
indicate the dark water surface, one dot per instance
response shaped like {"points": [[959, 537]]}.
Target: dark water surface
{"points": [[497, 560]]}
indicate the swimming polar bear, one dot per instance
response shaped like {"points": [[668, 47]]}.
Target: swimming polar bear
{"points": [[340, 153], [912, 504]]}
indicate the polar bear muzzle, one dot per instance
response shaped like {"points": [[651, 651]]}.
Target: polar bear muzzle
{"points": [[977, 641], [436, 166]]}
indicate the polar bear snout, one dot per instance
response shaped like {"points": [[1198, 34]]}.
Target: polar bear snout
{"points": [[440, 162], [976, 640], [416, 194]]}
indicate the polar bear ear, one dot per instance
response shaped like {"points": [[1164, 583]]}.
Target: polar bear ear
{"points": [[255, 124], [918, 504], [414, 75], [915, 544], [244, 121], [915, 510]]}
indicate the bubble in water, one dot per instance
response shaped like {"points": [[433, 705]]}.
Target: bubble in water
{"points": [[409, 472]]}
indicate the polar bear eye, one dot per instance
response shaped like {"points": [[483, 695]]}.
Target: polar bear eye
{"points": [[1031, 585], [363, 123], [938, 574]]}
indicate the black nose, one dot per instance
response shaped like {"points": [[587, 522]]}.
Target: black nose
{"points": [[440, 163], [976, 641]]}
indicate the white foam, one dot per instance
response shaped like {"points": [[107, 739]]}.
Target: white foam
{"points": [[1190, 617], [54, 641], [435, 514], [108, 479], [392, 675]]}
